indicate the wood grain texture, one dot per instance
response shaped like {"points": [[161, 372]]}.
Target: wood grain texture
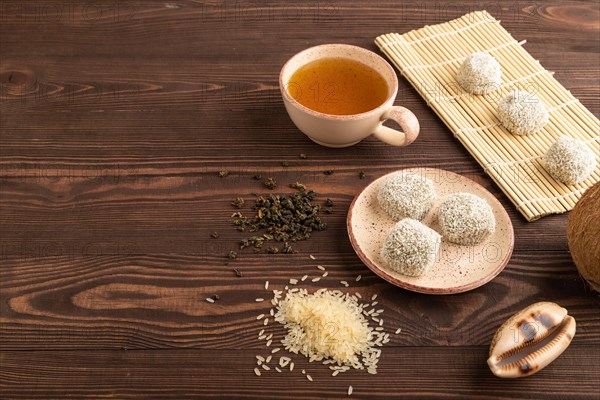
{"points": [[158, 301], [115, 118], [176, 212], [411, 372]]}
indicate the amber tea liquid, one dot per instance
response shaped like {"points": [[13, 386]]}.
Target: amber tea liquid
{"points": [[338, 86]]}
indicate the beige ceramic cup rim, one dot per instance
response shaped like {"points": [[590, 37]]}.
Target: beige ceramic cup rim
{"points": [[379, 109]]}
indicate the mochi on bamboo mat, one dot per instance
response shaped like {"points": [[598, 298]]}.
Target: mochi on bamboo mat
{"points": [[429, 58]]}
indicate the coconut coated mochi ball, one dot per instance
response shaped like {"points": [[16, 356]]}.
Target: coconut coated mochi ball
{"points": [[410, 247], [522, 113], [466, 219], [406, 195], [479, 74], [569, 160]]}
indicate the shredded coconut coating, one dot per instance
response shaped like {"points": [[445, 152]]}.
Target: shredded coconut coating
{"points": [[466, 219], [522, 113], [569, 160], [406, 196], [479, 74], [411, 247]]}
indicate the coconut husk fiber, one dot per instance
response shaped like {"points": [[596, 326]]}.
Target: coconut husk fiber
{"points": [[583, 234]]}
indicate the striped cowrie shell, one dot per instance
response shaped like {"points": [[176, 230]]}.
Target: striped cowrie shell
{"points": [[530, 340]]}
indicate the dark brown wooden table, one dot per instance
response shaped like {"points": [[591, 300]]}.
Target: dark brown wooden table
{"points": [[116, 118]]}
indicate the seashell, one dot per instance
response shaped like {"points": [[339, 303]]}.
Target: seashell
{"points": [[530, 340]]}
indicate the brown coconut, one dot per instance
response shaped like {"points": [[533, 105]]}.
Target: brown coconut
{"points": [[583, 233]]}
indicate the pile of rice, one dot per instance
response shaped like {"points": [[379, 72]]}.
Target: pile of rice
{"points": [[341, 330], [332, 326]]}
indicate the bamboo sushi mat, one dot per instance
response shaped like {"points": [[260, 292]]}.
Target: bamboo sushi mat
{"points": [[429, 59]]}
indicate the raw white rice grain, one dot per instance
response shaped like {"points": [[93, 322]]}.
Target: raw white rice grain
{"points": [[267, 285], [258, 300], [210, 299], [304, 278], [309, 377], [350, 389], [291, 366], [272, 312], [284, 361], [257, 371], [374, 297], [325, 274], [312, 257], [266, 367], [277, 369], [358, 295], [266, 321], [303, 371], [344, 283], [358, 278], [293, 281], [268, 358], [275, 350], [398, 330], [316, 279], [322, 268], [260, 316], [269, 342]]}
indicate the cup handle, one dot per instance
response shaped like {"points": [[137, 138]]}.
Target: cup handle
{"points": [[407, 121]]}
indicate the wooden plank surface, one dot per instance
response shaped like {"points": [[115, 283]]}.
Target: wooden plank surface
{"points": [[414, 372], [115, 118]]}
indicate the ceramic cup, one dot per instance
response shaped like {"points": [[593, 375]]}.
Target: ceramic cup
{"points": [[346, 130]]}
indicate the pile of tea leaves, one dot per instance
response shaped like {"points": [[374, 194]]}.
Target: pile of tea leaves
{"points": [[282, 218]]}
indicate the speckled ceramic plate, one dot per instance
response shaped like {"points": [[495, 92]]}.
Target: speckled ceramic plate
{"points": [[457, 268]]}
